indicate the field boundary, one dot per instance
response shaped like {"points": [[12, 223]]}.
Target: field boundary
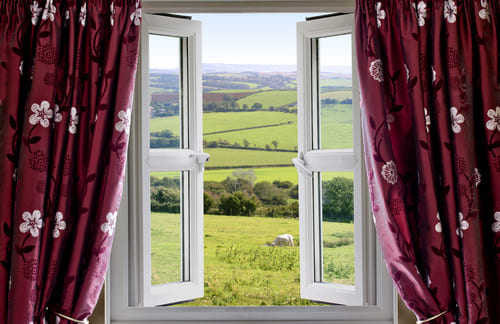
{"points": [[249, 166], [247, 128]]}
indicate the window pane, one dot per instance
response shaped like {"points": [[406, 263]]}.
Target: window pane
{"points": [[166, 227], [337, 224], [335, 92], [165, 91]]}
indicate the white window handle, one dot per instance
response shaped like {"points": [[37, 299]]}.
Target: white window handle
{"points": [[300, 164], [200, 159]]}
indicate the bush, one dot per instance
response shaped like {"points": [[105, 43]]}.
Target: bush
{"points": [[269, 194], [237, 204]]}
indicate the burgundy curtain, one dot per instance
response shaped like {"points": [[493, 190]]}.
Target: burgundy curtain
{"points": [[429, 73], [66, 81]]}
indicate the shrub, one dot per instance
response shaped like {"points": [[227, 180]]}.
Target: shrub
{"points": [[237, 204]]}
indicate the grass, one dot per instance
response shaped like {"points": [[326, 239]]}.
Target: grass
{"points": [[338, 94], [229, 91], [285, 135], [335, 82], [262, 174], [234, 158], [275, 98], [241, 271]]}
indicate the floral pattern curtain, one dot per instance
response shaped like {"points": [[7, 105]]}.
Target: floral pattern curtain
{"points": [[67, 72], [430, 87]]}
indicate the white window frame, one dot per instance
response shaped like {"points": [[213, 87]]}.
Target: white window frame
{"points": [[122, 285], [188, 160], [313, 160]]}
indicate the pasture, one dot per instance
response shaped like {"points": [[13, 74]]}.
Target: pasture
{"points": [[275, 98], [239, 269]]}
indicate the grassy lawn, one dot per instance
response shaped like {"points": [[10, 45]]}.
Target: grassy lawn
{"points": [[275, 98], [338, 94], [240, 270]]}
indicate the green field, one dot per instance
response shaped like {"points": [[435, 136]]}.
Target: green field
{"points": [[262, 174], [234, 158], [285, 135], [338, 94], [275, 98], [239, 269], [335, 82]]}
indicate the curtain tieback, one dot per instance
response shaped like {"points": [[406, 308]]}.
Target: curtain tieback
{"points": [[85, 321], [432, 318]]}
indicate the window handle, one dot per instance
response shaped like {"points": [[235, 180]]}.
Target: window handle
{"points": [[300, 164], [200, 159]]}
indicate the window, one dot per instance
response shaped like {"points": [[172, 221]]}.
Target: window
{"points": [[134, 293]]}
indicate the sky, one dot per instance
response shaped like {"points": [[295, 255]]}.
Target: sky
{"points": [[268, 39]]}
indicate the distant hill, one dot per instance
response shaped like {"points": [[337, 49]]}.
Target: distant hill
{"points": [[240, 68]]}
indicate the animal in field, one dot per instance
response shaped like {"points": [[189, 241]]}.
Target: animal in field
{"points": [[283, 240]]}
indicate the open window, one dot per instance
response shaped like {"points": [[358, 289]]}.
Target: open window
{"points": [[171, 154], [330, 147]]}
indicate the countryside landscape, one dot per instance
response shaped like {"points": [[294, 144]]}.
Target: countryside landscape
{"points": [[250, 184]]}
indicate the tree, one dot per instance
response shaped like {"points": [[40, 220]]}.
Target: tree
{"points": [[257, 105], [338, 199], [237, 204], [269, 194], [245, 106], [247, 175], [275, 144], [246, 143], [208, 202]]}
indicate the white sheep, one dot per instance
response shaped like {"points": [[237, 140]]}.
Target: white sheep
{"points": [[283, 240]]}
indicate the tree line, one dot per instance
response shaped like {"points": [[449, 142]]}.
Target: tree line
{"points": [[240, 195]]}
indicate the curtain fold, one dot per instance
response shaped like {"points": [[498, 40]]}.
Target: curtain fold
{"points": [[67, 71], [430, 93]]}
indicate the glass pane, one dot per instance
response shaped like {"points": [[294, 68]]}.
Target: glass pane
{"points": [[337, 223], [165, 105], [166, 227], [335, 92]]}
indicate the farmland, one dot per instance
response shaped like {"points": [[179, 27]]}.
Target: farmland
{"points": [[239, 269], [251, 193]]}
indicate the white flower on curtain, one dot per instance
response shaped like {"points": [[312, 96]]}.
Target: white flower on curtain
{"points": [[136, 15], [495, 227], [41, 114], [438, 226], [73, 120], [476, 176], [124, 123], [462, 225], [49, 11], [83, 14], [35, 12], [112, 13], [32, 223], [57, 115], [376, 70], [494, 122], [434, 74], [450, 11], [456, 120], [21, 67], [427, 120], [109, 225], [390, 172], [421, 12], [66, 14], [484, 13], [380, 14], [407, 72], [59, 225]]}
